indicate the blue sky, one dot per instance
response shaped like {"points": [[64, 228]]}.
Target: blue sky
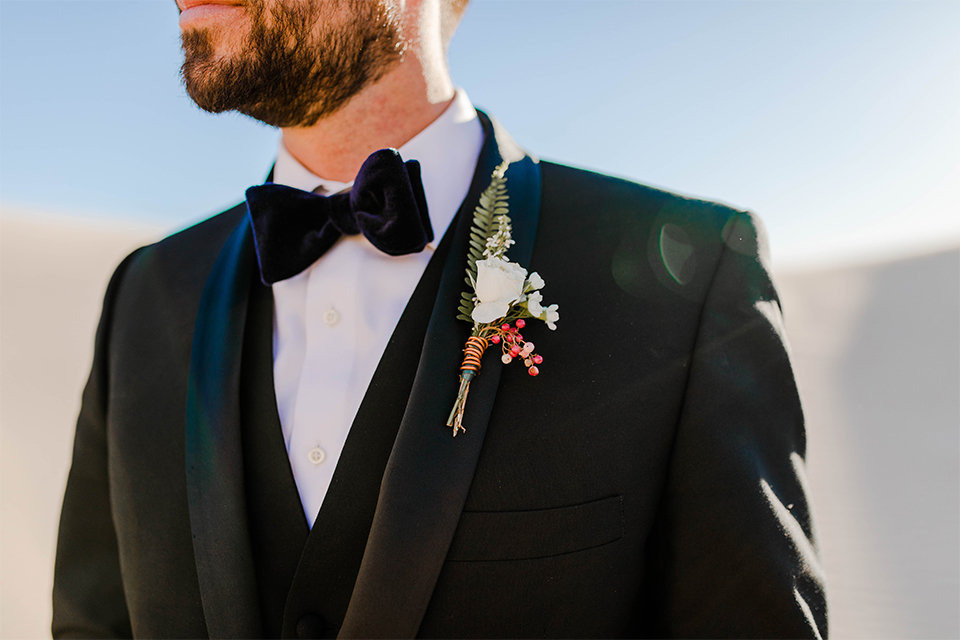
{"points": [[838, 122]]}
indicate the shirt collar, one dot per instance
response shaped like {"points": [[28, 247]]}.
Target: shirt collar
{"points": [[447, 149]]}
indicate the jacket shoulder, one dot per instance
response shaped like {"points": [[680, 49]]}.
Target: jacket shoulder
{"points": [[194, 242], [622, 197], [161, 283], [187, 255], [636, 231], [621, 203]]}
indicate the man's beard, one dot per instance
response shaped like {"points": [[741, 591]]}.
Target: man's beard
{"points": [[291, 70]]}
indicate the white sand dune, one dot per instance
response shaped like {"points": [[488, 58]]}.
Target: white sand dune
{"points": [[53, 273], [877, 355], [876, 350]]}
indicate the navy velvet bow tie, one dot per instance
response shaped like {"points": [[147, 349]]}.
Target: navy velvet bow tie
{"points": [[293, 228]]}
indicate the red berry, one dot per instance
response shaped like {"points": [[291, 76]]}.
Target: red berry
{"points": [[515, 350], [518, 337], [495, 339], [508, 337], [521, 324], [537, 359], [533, 371], [505, 327]]}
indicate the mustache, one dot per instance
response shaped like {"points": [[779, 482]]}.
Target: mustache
{"points": [[183, 5]]}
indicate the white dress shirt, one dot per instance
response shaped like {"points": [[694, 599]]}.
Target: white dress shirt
{"points": [[333, 321]]}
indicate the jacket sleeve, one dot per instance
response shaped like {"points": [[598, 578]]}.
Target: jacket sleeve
{"points": [[88, 597], [734, 552]]}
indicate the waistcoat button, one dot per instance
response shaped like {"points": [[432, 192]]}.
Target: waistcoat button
{"points": [[311, 625]]}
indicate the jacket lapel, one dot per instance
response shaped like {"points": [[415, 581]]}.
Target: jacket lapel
{"points": [[429, 473], [214, 467]]}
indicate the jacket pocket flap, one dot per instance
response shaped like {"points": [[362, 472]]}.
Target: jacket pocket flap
{"points": [[484, 536]]}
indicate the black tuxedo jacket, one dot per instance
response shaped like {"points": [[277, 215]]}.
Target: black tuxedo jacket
{"points": [[650, 482]]}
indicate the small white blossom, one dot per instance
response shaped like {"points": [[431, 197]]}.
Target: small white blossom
{"points": [[499, 242], [550, 316], [534, 282], [533, 304]]}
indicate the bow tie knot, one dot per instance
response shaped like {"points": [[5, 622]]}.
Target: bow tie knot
{"points": [[293, 228]]}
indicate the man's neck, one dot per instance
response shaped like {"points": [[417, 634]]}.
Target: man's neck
{"points": [[386, 114]]}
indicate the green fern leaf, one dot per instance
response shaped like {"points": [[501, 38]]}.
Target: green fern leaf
{"points": [[488, 217]]}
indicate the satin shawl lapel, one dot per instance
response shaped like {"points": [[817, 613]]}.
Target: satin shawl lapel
{"points": [[429, 472], [214, 467]]}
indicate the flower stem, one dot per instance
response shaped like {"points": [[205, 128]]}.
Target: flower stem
{"points": [[456, 415]]}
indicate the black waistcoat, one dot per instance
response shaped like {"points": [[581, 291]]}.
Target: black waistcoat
{"points": [[305, 577]]}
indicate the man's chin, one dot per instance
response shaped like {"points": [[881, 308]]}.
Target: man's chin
{"points": [[225, 28], [213, 42]]}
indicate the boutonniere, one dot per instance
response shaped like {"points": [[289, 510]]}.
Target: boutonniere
{"points": [[501, 295]]}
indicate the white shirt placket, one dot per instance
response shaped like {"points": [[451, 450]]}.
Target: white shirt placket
{"points": [[321, 415]]}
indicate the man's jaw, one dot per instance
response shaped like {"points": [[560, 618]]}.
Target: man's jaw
{"points": [[200, 13]]}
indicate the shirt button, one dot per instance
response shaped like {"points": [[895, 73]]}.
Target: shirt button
{"points": [[317, 455], [331, 317]]}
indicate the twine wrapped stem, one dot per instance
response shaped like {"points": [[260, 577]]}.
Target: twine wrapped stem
{"points": [[472, 353]]}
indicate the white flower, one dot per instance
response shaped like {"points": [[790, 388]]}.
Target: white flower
{"points": [[534, 282], [533, 304], [550, 316], [499, 285]]}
